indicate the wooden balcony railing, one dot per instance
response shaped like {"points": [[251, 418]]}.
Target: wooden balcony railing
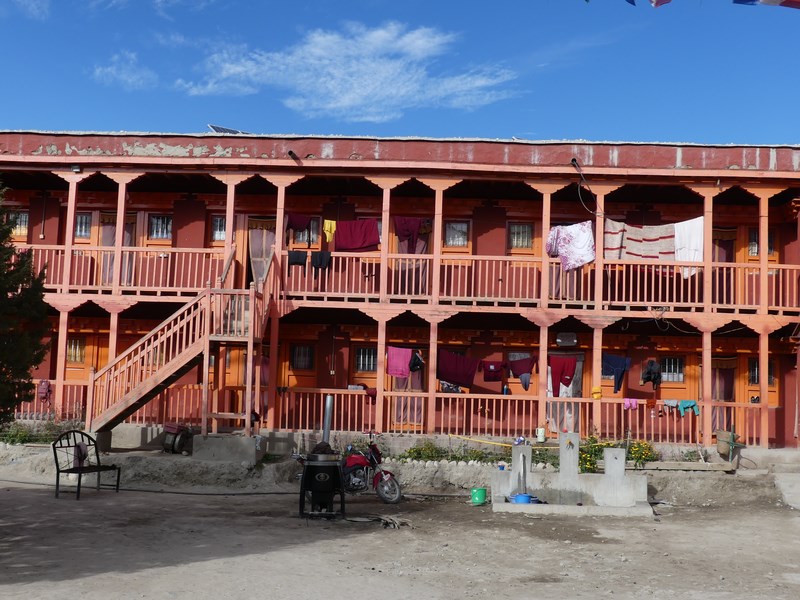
{"points": [[301, 409], [350, 276], [163, 271], [511, 280]]}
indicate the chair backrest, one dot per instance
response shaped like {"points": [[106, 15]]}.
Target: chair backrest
{"points": [[75, 449]]}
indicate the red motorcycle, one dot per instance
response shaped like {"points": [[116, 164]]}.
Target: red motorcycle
{"points": [[360, 467]]}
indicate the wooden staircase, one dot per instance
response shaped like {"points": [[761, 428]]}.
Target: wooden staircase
{"points": [[177, 345]]}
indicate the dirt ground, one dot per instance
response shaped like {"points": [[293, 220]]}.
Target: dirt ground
{"points": [[713, 536]]}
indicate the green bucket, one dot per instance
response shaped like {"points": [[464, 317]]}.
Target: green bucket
{"points": [[478, 496]]}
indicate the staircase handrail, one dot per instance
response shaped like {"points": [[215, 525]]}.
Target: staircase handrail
{"points": [[227, 266]]}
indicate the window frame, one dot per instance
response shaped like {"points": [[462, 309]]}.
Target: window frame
{"points": [[13, 214], [372, 349], [467, 248], [293, 347], [531, 251], [216, 243], [159, 241], [293, 244]]}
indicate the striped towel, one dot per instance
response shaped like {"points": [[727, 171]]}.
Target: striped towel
{"points": [[651, 242]]}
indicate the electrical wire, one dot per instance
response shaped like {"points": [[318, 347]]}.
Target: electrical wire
{"points": [[574, 163]]}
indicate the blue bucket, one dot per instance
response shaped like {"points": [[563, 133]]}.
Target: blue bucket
{"points": [[522, 499]]}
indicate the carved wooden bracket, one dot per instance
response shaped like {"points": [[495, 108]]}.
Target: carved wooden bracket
{"points": [[232, 178], [387, 183], [437, 184], [114, 305], [382, 314], [281, 180], [707, 322], [65, 302], [120, 178], [766, 324], [541, 317], [598, 322]]}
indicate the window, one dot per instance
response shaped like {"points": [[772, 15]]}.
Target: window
{"points": [[752, 372], [520, 236], [752, 242], [19, 219], [302, 357], [310, 236], [76, 350], [366, 360], [159, 227], [456, 234], [672, 369], [83, 226], [217, 228]]}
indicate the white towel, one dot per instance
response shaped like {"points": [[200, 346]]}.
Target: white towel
{"points": [[689, 243]]}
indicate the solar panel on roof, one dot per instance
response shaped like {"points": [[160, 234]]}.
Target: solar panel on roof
{"points": [[219, 129]]}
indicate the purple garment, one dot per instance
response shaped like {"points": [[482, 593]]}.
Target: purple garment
{"points": [[492, 370], [297, 221], [357, 236], [454, 368], [562, 369], [397, 360], [407, 228]]}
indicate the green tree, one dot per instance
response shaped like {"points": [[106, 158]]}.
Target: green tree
{"points": [[23, 320]]}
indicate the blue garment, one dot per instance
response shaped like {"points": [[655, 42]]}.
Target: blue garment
{"points": [[618, 365], [684, 405]]}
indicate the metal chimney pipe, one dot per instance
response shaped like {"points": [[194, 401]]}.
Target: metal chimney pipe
{"points": [[326, 427]]}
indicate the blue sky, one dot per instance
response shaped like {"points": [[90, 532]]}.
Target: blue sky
{"points": [[704, 71]]}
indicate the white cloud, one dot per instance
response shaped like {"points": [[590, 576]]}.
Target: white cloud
{"points": [[124, 70], [36, 9], [359, 74]]}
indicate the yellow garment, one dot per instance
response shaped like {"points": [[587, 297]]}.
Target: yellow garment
{"points": [[328, 228]]}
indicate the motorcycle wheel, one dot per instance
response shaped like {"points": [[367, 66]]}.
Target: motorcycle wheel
{"points": [[389, 490]]}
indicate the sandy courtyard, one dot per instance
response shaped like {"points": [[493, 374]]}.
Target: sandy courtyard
{"points": [[138, 544]]}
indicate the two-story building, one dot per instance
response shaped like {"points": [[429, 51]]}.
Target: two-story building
{"points": [[471, 287]]}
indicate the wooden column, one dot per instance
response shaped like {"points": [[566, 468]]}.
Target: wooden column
{"points": [[433, 346], [600, 192], [273, 408], [231, 180], [122, 180], [61, 362], [547, 189], [386, 184], [281, 182], [706, 399], [438, 186], [380, 378], [763, 385], [72, 199], [544, 333]]}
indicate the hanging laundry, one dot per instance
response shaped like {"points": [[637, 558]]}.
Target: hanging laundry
{"points": [[618, 365], [651, 242], [613, 238], [630, 403], [685, 405], [297, 221], [670, 405], [562, 369], [689, 243], [357, 236], [407, 228], [320, 261], [652, 373], [328, 228], [573, 244], [456, 369], [492, 370], [522, 368], [397, 361], [417, 362], [296, 258]]}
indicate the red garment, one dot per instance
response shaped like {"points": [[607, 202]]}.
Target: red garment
{"points": [[407, 228], [562, 368], [492, 370], [357, 236], [523, 365], [297, 221], [454, 368]]}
